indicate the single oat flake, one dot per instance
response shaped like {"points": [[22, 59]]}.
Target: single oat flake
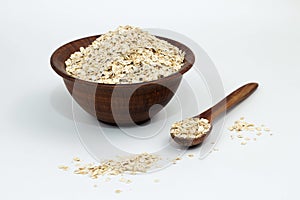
{"points": [[76, 159], [124, 56], [63, 167], [118, 191], [156, 180]]}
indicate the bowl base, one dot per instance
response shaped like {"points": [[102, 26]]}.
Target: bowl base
{"points": [[125, 124]]}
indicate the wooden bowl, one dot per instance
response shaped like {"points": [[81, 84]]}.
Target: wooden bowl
{"points": [[119, 104]]}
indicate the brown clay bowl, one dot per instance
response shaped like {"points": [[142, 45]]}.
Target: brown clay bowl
{"points": [[119, 104]]}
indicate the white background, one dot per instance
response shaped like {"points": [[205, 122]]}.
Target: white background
{"points": [[255, 40]]}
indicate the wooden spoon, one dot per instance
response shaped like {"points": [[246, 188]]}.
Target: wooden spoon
{"points": [[212, 113]]}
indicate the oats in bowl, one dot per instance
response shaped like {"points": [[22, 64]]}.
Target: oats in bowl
{"points": [[126, 55], [127, 79]]}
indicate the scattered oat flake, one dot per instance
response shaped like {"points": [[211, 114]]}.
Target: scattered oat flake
{"points": [[178, 158], [63, 167], [191, 155], [134, 164], [76, 159], [245, 129], [243, 143], [124, 180], [118, 191], [95, 185], [259, 134]]}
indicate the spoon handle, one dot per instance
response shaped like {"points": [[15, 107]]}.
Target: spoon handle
{"points": [[228, 102]]}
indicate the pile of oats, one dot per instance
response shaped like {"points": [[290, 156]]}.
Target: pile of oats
{"points": [[126, 55], [134, 164], [190, 128], [246, 131]]}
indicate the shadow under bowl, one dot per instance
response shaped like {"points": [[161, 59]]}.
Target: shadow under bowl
{"points": [[119, 104]]}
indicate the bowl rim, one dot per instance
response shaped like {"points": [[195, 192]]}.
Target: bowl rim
{"points": [[186, 67]]}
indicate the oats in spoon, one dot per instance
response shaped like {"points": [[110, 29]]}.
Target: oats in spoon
{"points": [[190, 128]]}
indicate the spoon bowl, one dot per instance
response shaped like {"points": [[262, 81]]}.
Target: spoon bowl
{"points": [[190, 142]]}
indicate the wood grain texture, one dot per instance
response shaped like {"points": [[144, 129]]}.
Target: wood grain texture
{"points": [[119, 104]]}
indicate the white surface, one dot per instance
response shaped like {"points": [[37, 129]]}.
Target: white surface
{"points": [[247, 40]]}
